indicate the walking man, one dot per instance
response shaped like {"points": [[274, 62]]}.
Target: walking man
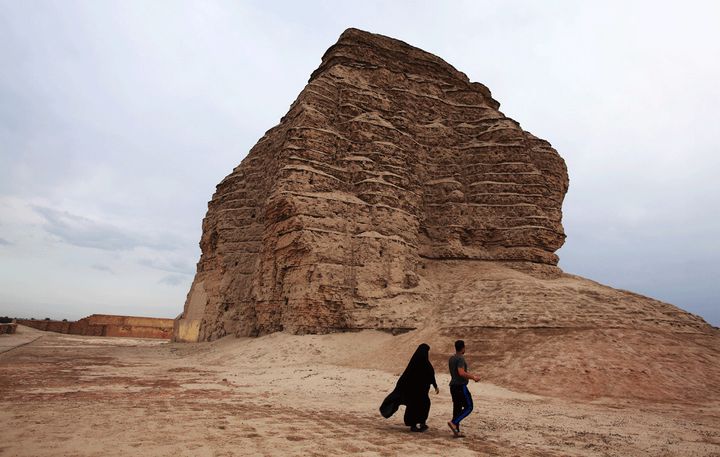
{"points": [[461, 398]]}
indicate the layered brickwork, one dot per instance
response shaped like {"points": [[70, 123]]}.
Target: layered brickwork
{"points": [[394, 195], [388, 156], [107, 325], [389, 170]]}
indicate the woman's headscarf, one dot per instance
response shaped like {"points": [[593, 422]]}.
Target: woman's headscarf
{"points": [[413, 383], [419, 372]]}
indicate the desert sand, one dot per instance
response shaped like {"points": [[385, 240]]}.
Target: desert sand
{"points": [[286, 395]]}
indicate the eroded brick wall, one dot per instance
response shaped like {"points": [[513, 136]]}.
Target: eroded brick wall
{"points": [[7, 328], [108, 325]]}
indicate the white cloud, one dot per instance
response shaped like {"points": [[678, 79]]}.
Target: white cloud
{"points": [[175, 280], [176, 265], [83, 232], [100, 267]]}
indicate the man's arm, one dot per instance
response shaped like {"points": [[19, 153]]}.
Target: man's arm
{"points": [[466, 375]]}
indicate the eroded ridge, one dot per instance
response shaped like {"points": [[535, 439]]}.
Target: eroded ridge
{"points": [[388, 156], [389, 160]]}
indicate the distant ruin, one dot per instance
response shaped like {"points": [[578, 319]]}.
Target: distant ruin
{"points": [[7, 328], [107, 325]]}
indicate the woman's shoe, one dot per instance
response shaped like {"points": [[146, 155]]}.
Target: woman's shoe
{"points": [[423, 427]]}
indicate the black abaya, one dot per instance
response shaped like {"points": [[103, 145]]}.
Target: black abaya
{"points": [[412, 389]]}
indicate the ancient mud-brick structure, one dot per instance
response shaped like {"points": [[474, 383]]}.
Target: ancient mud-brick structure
{"points": [[107, 325], [395, 195], [387, 157]]}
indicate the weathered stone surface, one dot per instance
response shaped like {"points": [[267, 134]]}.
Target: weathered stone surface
{"points": [[390, 170], [394, 195], [387, 157]]}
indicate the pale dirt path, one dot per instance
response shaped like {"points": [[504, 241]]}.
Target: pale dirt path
{"points": [[285, 395]]}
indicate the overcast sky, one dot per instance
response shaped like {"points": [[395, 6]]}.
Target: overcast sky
{"points": [[117, 120]]}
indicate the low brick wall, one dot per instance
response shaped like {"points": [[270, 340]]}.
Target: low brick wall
{"points": [[7, 328], [108, 325], [49, 326]]}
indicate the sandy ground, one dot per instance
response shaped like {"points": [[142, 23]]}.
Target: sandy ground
{"points": [[286, 395]]}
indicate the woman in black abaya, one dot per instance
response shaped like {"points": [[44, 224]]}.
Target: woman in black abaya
{"points": [[412, 389]]}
